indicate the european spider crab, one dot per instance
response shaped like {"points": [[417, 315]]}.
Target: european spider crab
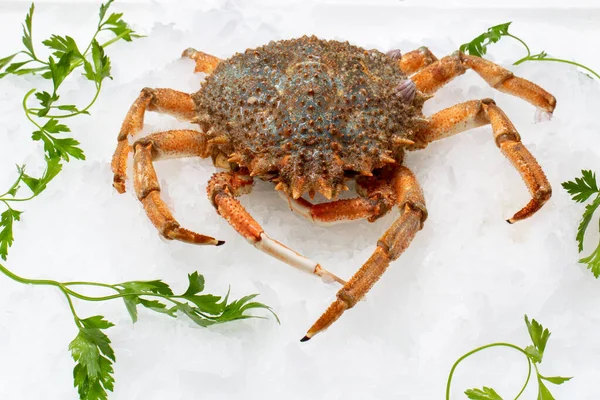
{"points": [[309, 115]]}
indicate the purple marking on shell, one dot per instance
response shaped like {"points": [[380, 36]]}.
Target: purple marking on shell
{"points": [[406, 90], [394, 54]]}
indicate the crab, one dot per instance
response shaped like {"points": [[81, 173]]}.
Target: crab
{"points": [[309, 115]]}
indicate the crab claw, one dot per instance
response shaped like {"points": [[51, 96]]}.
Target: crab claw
{"points": [[406, 91], [394, 54]]}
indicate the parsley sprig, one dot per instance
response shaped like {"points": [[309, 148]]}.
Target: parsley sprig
{"points": [[49, 114], [91, 349], [479, 45], [581, 190], [534, 354]]}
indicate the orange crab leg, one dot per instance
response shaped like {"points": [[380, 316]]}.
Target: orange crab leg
{"points": [[166, 101], [204, 62], [377, 199], [436, 75], [222, 189], [179, 143], [389, 247], [475, 113], [416, 60]]}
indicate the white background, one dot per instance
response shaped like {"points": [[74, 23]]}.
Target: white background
{"points": [[466, 281]]}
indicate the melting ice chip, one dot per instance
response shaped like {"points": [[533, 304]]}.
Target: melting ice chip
{"points": [[542, 115]]}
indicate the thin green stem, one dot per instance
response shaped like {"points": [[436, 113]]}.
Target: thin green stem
{"points": [[20, 199], [566, 62], [83, 283], [522, 42], [116, 38], [83, 111], [512, 346], [120, 295], [44, 282], [107, 43], [26, 281]]}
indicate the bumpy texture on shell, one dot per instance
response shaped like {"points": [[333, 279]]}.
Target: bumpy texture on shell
{"points": [[308, 112]]}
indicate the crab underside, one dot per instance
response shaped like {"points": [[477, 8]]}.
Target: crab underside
{"points": [[309, 115]]}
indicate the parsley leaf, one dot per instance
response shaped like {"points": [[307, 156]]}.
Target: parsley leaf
{"points": [[539, 336], [27, 32], [478, 46], [593, 262], [62, 45], [557, 380], [94, 356], [543, 392], [4, 61], [196, 284], [485, 394], [6, 234], [37, 185], [59, 70], [99, 68], [204, 310], [582, 188]]}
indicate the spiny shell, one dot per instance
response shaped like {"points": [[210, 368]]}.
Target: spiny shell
{"points": [[309, 112]]}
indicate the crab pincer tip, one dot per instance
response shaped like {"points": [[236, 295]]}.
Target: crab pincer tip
{"points": [[220, 242], [305, 338], [510, 221]]}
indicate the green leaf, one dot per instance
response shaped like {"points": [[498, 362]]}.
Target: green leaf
{"points": [[582, 188], [4, 61], [52, 126], [557, 380], [14, 67], [94, 356], [59, 70], [485, 394], [543, 392], [46, 100], [539, 336], [26, 71], [131, 303], [27, 31], [196, 284], [157, 286], [593, 262], [208, 303], [69, 107], [53, 167], [103, 8], [237, 309], [478, 46], [68, 147], [99, 69], [192, 314], [98, 322], [7, 218], [157, 306], [534, 354], [62, 45], [588, 213]]}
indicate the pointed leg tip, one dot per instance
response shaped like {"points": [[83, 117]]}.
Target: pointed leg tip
{"points": [[220, 243], [510, 221], [305, 338], [119, 185]]}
